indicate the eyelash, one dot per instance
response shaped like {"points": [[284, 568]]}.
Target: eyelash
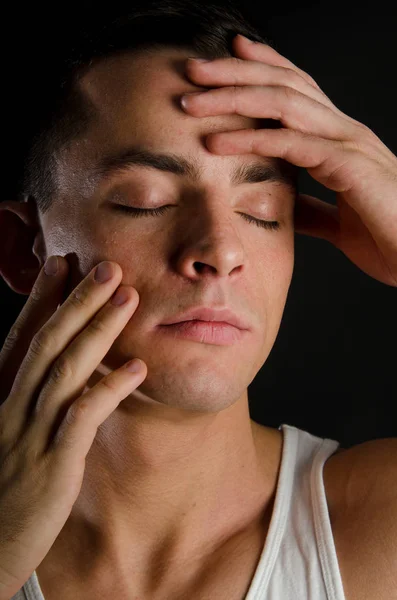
{"points": [[156, 212]]}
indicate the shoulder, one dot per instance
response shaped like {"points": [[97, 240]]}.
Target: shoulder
{"points": [[369, 472], [361, 489]]}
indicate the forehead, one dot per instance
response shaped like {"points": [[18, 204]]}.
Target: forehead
{"points": [[136, 98]]}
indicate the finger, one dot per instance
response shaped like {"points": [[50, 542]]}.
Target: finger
{"points": [[317, 218], [80, 424], [41, 304], [240, 72], [327, 161], [72, 369], [51, 340], [267, 54], [294, 109]]}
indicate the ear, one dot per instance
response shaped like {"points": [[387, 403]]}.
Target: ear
{"points": [[22, 247]]}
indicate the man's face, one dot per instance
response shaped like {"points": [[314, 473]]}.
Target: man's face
{"points": [[200, 252]]}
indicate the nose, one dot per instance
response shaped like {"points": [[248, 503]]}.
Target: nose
{"points": [[210, 244]]}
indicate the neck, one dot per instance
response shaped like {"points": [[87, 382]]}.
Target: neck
{"points": [[164, 491]]}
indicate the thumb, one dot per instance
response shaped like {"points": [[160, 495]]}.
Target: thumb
{"points": [[316, 218]]}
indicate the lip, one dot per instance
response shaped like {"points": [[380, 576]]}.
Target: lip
{"points": [[205, 332], [205, 313]]}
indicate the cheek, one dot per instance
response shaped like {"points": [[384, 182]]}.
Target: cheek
{"points": [[275, 265], [276, 255], [138, 258], [283, 264]]}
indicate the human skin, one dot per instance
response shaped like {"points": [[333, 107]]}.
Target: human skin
{"points": [[181, 451]]}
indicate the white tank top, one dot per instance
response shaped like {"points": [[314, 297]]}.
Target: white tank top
{"points": [[299, 557]]}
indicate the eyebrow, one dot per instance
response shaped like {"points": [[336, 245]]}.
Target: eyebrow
{"points": [[171, 163]]}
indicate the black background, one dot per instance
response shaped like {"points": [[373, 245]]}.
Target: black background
{"points": [[333, 368]]}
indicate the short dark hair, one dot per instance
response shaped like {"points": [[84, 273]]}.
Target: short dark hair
{"points": [[205, 29]]}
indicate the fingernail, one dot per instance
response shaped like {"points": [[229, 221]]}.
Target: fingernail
{"points": [[103, 272], [248, 40], [120, 297], [134, 366], [184, 99], [51, 265]]}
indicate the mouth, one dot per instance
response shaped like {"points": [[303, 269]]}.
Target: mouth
{"points": [[219, 333], [205, 314]]}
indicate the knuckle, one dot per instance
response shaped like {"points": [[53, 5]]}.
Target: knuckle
{"points": [[97, 325], [3, 426], [62, 369], [351, 145], [236, 91], [110, 383], [312, 81], [308, 78], [7, 463], [79, 297], [76, 412], [36, 295], [293, 76], [362, 126], [14, 333], [365, 127], [356, 146], [9, 343], [42, 342], [367, 135], [290, 93]]}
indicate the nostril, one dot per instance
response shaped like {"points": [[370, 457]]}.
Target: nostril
{"points": [[202, 267]]}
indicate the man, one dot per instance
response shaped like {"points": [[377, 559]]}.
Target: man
{"points": [[185, 496]]}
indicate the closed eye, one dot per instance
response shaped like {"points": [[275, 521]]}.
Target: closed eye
{"points": [[156, 212]]}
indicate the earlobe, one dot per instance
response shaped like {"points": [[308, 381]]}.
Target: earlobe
{"points": [[21, 245]]}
